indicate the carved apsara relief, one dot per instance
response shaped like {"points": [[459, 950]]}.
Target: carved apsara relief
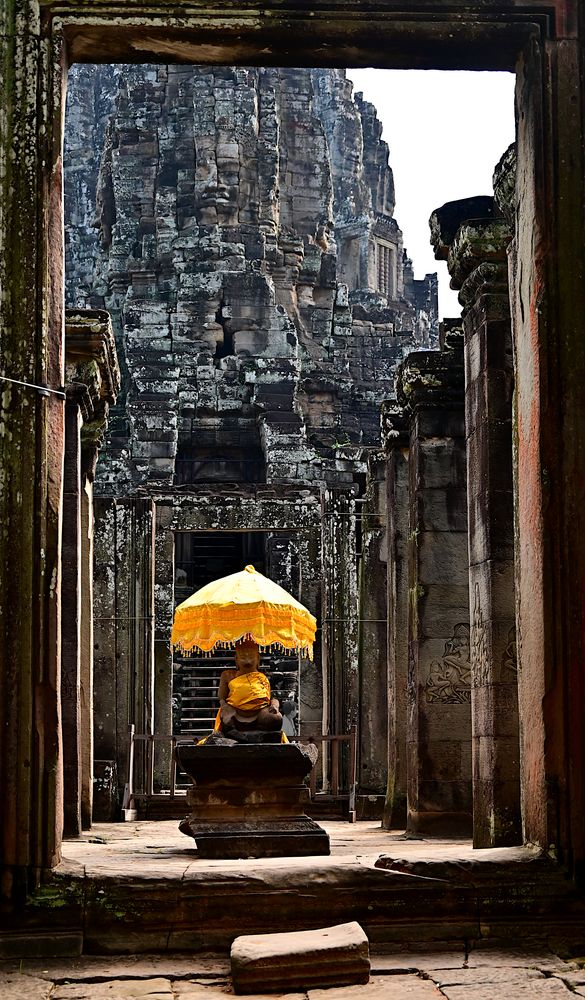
{"points": [[479, 646], [449, 680], [509, 658]]}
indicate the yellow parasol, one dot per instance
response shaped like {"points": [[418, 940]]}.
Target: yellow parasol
{"points": [[243, 605]]}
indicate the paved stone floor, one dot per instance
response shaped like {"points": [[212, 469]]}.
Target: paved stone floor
{"points": [[157, 847], [483, 975]]}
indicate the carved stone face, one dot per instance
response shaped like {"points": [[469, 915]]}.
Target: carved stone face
{"points": [[247, 657]]}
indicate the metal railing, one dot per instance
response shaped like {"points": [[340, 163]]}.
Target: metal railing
{"points": [[149, 741], [147, 792]]}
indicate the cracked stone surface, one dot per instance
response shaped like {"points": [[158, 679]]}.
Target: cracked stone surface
{"points": [[116, 989], [18, 986], [481, 975]]}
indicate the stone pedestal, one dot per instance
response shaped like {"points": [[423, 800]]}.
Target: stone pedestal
{"points": [[249, 801]]}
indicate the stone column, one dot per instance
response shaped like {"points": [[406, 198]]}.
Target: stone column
{"points": [[124, 630], [549, 441], [430, 385], [164, 605], [93, 380], [31, 451], [340, 613], [395, 438], [70, 620], [478, 266], [373, 644], [86, 655]]}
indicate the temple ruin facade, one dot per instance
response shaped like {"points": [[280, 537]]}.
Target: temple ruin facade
{"points": [[238, 225], [283, 318]]}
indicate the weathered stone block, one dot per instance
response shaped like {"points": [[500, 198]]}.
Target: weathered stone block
{"points": [[331, 956]]}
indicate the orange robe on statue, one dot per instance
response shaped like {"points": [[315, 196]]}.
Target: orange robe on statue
{"points": [[249, 693]]}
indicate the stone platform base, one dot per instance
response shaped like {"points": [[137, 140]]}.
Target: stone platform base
{"points": [[139, 887], [249, 801], [295, 838]]}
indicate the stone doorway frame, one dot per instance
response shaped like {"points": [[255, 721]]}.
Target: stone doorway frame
{"points": [[544, 42]]}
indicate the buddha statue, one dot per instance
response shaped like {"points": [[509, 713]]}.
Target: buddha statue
{"points": [[245, 701]]}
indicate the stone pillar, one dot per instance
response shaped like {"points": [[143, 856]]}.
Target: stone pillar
{"points": [[396, 440], [430, 384], [93, 380], [549, 436], [124, 629], [70, 621], [372, 637], [164, 605], [340, 613], [86, 655], [478, 266], [31, 451]]}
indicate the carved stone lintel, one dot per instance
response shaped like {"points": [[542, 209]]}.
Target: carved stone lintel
{"points": [[445, 221], [431, 379], [489, 278], [477, 241], [93, 377], [452, 336], [90, 353], [394, 426]]}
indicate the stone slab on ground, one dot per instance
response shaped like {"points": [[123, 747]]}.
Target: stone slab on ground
{"points": [[497, 983], [329, 956], [476, 977], [116, 989], [192, 991], [15, 986], [481, 958], [408, 987], [529, 989], [484, 974], [574, 980], [102, 968]]}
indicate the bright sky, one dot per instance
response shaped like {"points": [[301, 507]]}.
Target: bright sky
{"points": [[446, 132]]}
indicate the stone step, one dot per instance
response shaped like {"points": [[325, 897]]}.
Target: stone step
{"points": [[169, 900]]}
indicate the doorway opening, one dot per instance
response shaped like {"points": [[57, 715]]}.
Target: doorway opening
{"points": [[200, 557], [263, 301]]}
